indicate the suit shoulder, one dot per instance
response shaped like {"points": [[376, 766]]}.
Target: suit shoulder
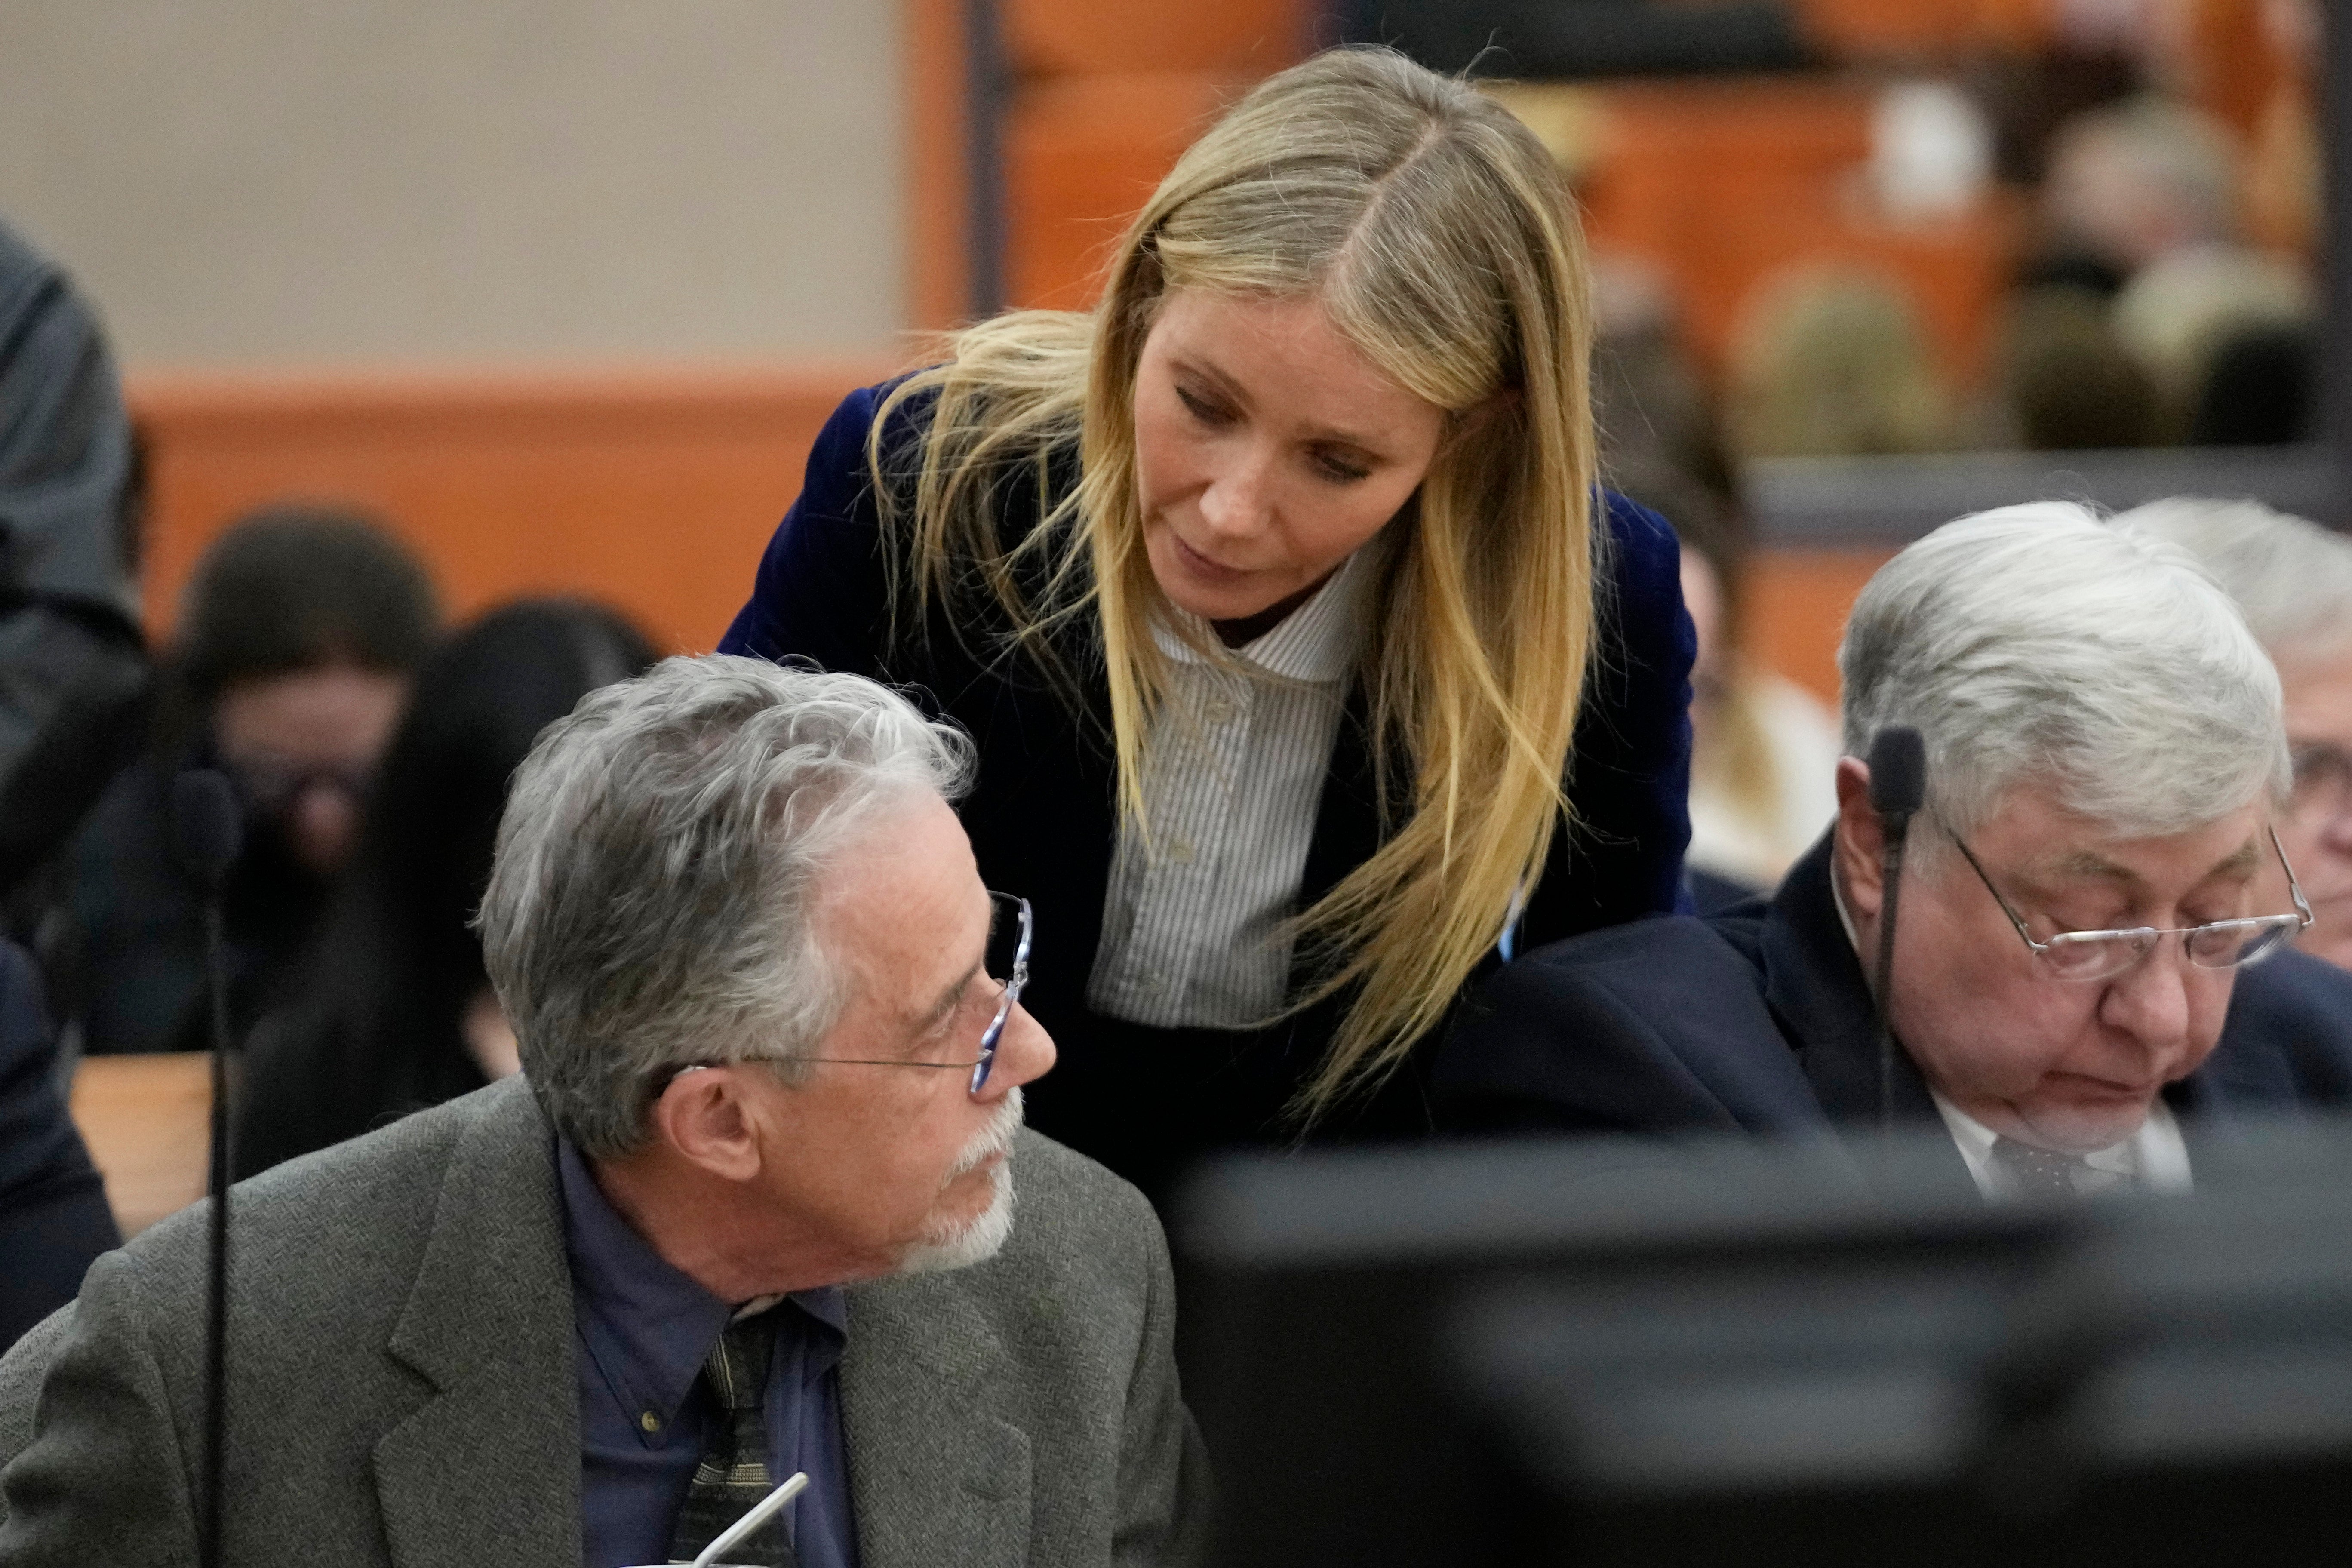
{"points": [[355, 1194], [2301, 1007], [1070, 1208]]}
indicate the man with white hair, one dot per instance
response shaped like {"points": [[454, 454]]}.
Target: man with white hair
{"points": [[2095, 866], [749, 1212], [2292, 579]]}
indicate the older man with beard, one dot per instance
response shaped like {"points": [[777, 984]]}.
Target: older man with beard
{"points": [[749, 1210]]}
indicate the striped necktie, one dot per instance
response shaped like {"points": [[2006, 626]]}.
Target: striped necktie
{"points": [[734, 1474]]}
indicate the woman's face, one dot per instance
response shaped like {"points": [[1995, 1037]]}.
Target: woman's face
{"points": [[1268, 449]]}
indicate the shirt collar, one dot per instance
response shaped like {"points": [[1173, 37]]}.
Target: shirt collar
{"points": [[647, 1325], [1315, 642]]}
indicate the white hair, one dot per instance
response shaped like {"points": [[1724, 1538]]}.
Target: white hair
{"points": [[2292, 578], [2040, 644], [653, 900]]}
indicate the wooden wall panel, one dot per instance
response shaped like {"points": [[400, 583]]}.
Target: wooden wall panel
{"points": [[653, 492], [1797, 600], [1082, 154], [1724, 185], [1248, 38], [1931, 29], [939, 178]]}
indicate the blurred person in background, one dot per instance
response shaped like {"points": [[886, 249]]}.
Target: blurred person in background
{"points": [[1833, 362], [1764, 750], [2090, 889], [395, 1011], [2143, 218], [298, 637], [73, 680], [2292, 579], [1306, 658]]}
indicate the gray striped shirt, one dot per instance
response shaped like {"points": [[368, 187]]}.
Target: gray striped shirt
{"points": [[1192, 923]]}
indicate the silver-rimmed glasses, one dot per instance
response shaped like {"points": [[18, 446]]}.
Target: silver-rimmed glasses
{"points": [[2102, 954], [1007, 962]]}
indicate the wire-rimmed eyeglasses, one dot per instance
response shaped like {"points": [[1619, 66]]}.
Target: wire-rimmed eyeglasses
{"points": [[2102, 955], [1007, 962]]}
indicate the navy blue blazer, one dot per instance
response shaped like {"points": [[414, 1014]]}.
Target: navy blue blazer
{"points": [[1043, 816], [1758, 1019], [53, 1215]]}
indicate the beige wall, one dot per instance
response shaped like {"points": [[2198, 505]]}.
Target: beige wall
{"points": [[298, 183]]}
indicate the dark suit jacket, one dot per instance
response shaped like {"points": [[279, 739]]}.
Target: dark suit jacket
{"points": [[53, 1215], [1043, 817], [1759, 1020], [401, 1386]]}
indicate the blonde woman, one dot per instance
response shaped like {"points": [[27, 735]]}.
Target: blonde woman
{"points": [[1309, 670]]}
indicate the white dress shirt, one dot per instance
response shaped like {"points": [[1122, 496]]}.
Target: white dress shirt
{"points": [[1192, 922]]}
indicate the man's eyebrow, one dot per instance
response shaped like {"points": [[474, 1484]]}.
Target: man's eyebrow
{"points": [[2245, 858], [2090, 863]]}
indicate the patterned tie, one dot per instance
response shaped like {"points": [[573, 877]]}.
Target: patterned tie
{"points": [[734, 1474], [2038, 1172]]}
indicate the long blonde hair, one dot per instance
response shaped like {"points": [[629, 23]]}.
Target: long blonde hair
{"points": [[1437, 234]]}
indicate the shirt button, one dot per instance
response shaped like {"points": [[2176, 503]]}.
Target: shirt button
{"points": [[649, 1421], [1181, 851], [1153, 981], [1218, 711]]}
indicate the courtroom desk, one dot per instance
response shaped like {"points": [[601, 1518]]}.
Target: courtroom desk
{"points": [[145, 1119]]}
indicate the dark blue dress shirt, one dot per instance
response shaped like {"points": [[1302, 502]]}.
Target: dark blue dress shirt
{"points": [[645, 1331]]}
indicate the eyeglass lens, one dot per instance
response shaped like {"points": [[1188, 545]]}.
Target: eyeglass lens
{"points": [[1007, 965], [2227, 944]]}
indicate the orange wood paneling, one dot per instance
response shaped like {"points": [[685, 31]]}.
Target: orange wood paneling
{"points": [[1107, 97], [1249, 38], [938, 206], [1082, 154], [653, 492], [1797, 600], [1723, 184], [1880, 29], [147, 1121]]}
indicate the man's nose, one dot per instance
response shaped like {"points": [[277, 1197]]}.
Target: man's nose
{"points": [[1024, 1052], [2151, 1003]]}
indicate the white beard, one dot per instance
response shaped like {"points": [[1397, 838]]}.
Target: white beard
{"points": [[961, 1244]]}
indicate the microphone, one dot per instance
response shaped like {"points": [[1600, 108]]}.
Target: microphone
{"points": [[1898, 787], [206, 833]]}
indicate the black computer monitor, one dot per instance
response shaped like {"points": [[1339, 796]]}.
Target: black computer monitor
{"points": [[1618, 1353]]}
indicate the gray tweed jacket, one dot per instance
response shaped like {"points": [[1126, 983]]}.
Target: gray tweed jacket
{"points": [[402, 1382]]}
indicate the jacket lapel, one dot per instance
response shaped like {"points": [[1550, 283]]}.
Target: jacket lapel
{"points": [[1815, 987], [488, 1470], [935, 1474]]}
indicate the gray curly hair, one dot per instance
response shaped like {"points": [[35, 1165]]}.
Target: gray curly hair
{"points": [[651, 901]]}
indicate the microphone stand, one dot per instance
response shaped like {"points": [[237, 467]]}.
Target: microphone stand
{"points": [[206, 831], [1898, 787]]}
